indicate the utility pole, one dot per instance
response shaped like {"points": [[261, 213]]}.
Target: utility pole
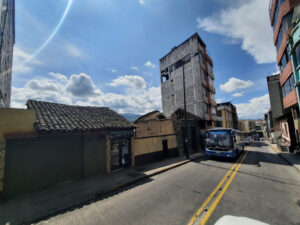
{"points": [[185, 141]]}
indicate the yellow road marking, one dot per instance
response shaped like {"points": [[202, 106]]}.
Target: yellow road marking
{"points": [[194, 218], [275, 149], [216, 202]]}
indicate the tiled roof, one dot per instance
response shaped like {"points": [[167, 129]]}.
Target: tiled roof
{"points": [[54, 117], [154, 115]]}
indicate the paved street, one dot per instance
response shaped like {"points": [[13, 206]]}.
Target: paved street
{"points": [[265, 188]]}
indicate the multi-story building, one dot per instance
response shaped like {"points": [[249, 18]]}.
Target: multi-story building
{"points": [[188, 65], [227, 115], [281, 16], [7, 40], [277, 110], [247, 125]]}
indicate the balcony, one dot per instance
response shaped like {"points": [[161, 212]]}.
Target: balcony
{"points": [[211, 75], [212, 88], [213, 102], [290, 99]]}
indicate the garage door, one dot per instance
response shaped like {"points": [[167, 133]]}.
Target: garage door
{"points": [[36, 163]]}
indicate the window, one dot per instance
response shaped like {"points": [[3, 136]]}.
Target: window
{"points": [[171, 68], [277, 8], [204, 91], [205, 107], [210, 69], [211, 81], [213, 110], [164, 78], [285, 25], [202, 74], [297, 51], [201, 57], [288, 86], [212, 96], [284, 60]]}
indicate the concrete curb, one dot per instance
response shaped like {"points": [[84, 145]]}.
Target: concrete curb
{"points": [[282, 156], [116, 188]]}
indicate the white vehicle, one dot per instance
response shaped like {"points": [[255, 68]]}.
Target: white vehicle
{"points": [[235, 220]]}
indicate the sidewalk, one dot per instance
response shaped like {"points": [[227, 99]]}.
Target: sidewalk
{"points": [[41, 204], [292, 158]]}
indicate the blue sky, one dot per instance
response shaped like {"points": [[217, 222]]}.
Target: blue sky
{"points": [[106, 52]]}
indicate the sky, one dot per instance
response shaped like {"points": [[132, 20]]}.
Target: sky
{"points": [[106, 52]]}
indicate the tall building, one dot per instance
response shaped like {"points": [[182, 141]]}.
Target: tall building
{"points": [[227, 115], [190, 61], [281, 16], [7, 40], [275, 96]]}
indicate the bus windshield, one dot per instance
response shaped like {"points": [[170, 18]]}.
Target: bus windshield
{"points": [[219, 139]]}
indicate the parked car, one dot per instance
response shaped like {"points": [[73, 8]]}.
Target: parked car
{"points": [[248, 140]]}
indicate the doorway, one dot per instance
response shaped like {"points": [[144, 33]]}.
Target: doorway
{"points": [[165, 148]]}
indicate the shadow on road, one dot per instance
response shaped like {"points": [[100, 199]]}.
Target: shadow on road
{"points": [[256, 156], [100, 196]]}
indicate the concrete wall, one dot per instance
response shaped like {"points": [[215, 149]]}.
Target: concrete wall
{"points": [[154, 128], [147, 146], [275, 96], [153, 144], [14, 122], [94, 154], [6, 49], [36, 163], [194, 73]]}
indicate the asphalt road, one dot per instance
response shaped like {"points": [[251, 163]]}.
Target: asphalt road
{"points": [[264, 187]]}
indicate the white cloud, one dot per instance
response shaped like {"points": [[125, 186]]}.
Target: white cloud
{"points": [[132, 81], [234, 84], [22, 62], [238, 94], [112, 70], [247, 23], [59, 76], [219, 100], [134, 68], [255, 108], [81, 85], [142, 2], [73, 50], [81, 90], [149, 64]]}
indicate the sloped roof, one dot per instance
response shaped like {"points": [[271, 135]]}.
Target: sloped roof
{"points": [[154, 115], [54, 117], [179, 114]]}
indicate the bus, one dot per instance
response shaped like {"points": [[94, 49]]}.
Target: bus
{"points": [[224, 142]]}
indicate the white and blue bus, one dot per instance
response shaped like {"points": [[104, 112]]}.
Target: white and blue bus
{"points": [[224, 142]]}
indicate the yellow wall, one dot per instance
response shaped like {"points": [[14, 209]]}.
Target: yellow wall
{"points": [[16, 121], [224, 118], [13, 122], [154, 128], [153, 144]]}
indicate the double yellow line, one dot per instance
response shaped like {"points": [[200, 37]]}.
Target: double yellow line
{"points": [[232, 170]]}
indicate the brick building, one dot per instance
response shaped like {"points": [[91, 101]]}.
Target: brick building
{"points": [[281, 16]]}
